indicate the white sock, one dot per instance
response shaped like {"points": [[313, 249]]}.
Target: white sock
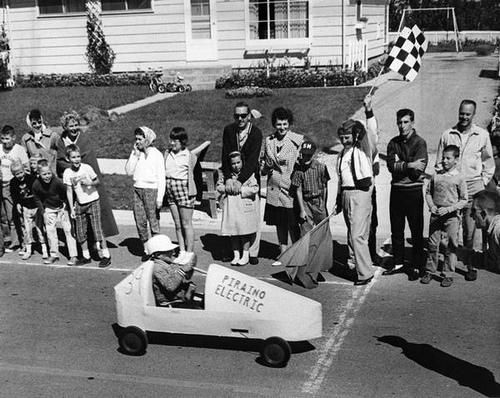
{"points": [[45, 253], [245, 257], [28, 248], [105, 253], [86, 253], [236, 257]]}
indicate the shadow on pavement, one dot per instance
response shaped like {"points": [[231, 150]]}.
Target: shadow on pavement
{"points": [[133, 245], [220, 247], [488, 74], [465, 373]]}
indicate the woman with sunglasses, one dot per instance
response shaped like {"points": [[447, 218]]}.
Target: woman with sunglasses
{"points": [[281, 152], [243, 136]]}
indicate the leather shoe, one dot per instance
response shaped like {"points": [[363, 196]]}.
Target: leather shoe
{"points": [[363, 281], [392, 271], [413, 274], [254, 260]]}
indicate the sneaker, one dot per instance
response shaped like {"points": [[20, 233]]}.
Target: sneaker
{"points": [[105, 261], [26, 255], [253, 260], [413, 274], [144, 258], [50, 260], [426, 279], [447, 281], [72, 261], [82, 261], [471, 275]]}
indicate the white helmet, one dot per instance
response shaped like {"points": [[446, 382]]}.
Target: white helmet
{"points": [[159, 243]]}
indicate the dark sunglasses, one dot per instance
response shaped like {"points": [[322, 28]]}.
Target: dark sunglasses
{"points": [[240, 115]]}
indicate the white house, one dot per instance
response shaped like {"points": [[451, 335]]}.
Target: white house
{"points": [[49, 36]]}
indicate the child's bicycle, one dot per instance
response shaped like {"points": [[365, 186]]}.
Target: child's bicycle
{"points": [[158, 85]]}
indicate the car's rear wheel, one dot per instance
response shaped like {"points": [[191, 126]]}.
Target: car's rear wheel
{"points": [[275, 352], [188, 88], [162, 89], [133, 340]]}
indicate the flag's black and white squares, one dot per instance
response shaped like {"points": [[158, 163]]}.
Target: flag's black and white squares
{"points": [[406, 55]]}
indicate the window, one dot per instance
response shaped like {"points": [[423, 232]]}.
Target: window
{"points": [[61, 6], [200, 19], [278, 19], [120, 5], [78, 6]]}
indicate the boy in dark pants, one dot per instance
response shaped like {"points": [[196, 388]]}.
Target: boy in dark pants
{"points": [[310, 178], [406, 160]]}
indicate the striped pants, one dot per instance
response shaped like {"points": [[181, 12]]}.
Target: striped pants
{"points": [[145, 211]]}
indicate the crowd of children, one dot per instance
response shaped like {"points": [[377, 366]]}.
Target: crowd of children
{"points": [[35, 201]]}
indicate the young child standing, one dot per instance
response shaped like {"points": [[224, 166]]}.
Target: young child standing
{"points": [[21, 189], [180, 188], [310, 179], [10, 152], [446, 194], [240, 212], [81, 181], [50, 195]]}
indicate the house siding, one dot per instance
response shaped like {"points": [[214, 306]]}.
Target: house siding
{"points": [[157, 38]]}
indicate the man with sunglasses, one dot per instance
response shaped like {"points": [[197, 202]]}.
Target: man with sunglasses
{"points": [[242, 136]]}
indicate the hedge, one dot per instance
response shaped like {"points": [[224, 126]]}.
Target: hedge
{"points": [[249, 92], [293, 78], [82, 79], [466, 45]]}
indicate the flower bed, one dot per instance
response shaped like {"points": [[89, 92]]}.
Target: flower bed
{"points": [[249, 92], [82, 79], [294, 78]]}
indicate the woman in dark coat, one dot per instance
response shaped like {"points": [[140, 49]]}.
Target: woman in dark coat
{"points": [[72, 134]]}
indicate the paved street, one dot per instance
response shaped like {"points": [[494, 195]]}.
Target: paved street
{"points": [[389, 338]]}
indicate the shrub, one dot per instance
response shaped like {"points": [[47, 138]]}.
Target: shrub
{"points": [[484, 49], [82, 79], [249, 92], [100, 55], [294, 78]]}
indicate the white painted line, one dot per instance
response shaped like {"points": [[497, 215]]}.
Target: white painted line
{"points": [[55, 265], [337, 335], [232, 389]]}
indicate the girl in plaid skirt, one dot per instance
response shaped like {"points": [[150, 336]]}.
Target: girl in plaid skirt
{"points": [[180, 190]]}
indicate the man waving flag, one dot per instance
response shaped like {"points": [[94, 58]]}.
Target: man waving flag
{"points": [[406, 55]]}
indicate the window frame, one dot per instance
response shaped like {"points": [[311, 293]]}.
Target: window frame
{"points": [[83, 13], [289, 43]]}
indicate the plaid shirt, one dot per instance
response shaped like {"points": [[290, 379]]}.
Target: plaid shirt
{"points": [[312, 179]]}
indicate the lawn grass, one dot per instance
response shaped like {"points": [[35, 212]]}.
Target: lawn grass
{"points": [[318, 113], [53, 101]]}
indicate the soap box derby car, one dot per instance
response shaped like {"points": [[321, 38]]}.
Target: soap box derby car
{"points": [[234, 305]]}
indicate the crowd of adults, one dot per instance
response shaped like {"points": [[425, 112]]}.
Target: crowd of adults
{"points": [[297, 188]]}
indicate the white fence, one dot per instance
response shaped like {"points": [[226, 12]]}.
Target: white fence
{"points": [[436, 36], [357, 55]]}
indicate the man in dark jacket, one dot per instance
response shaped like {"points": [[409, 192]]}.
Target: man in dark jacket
{"points": [[407, 159], [246, 138]]}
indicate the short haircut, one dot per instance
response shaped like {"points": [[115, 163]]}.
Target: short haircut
{"points": [[452, 148], [7, 129], [179, 133], [72, 148], [35, 114], [139, 131], [469, 102], [43, 163], [488, 201], [405, 112], [242, 104], [16, 165], [235, 154], [281, 113]]}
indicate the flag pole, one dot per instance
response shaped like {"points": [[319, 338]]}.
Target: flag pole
{"points": [[379, 73]]}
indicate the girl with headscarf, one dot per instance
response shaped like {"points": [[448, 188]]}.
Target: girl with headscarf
{"points": [[40, 140], [72, 134], [145, 164]]}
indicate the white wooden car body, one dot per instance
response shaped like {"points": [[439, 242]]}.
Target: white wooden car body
{"points": [[236, 305]]}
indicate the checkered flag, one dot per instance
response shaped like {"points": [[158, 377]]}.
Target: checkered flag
{"points": [[406, 55]]}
